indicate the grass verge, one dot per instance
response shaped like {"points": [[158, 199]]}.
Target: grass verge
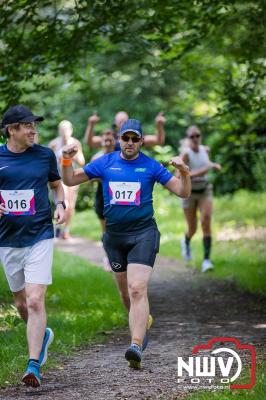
{"points": [[82, 302], [257, 392]]}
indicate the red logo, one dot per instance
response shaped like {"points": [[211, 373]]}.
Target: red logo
{"points": [[224, 362], [238, 346]]}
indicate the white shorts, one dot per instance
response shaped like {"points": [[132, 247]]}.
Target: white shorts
{"points": [[32, 264]]}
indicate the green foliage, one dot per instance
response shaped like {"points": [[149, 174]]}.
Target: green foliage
{"points": [[202, 62], [77, 313]]}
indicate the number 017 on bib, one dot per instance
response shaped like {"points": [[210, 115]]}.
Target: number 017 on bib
{"points": [[125, 193]]}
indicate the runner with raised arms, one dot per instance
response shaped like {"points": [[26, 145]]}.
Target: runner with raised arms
{"points": [[132, 237]]}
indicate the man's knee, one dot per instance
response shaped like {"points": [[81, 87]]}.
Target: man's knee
{"points": [[35, 303], [137, 290]]}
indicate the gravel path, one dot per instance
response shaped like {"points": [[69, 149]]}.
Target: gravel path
{"points": [[188, 309]]}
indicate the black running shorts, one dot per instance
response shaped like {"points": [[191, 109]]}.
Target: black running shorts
{"points": [[131, 248]]}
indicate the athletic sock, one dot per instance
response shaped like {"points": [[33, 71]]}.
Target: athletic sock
{"points": [[33, 360], [207, 242], [187, 240], [137, 341]]}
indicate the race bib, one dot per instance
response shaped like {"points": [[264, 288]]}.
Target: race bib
{"points": [[18, 202], [125, 193]]}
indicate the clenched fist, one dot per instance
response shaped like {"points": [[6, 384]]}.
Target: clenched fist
{"points": [[94, 119], [69, 151], [160, 119], [179, 164]]}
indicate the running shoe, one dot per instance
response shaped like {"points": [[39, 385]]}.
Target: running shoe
{"points": [[133, 356], [32, 376], [185, 250], [47, 340], [206, 265], [146, 337]]}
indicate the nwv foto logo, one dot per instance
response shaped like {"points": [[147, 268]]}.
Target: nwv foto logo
{"points": [[224, 363]]}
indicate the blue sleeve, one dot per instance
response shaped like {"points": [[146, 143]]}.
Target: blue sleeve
{"points": [[95, 169], [161, 174], [53, 171]]}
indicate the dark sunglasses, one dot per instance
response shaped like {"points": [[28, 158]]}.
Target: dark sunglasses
{"points": [[135, 139], [197, 136]]}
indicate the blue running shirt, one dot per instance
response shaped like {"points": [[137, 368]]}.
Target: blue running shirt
{"points": [[23, 188], [127, 189]]}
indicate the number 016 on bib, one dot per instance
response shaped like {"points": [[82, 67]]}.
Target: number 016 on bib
{"points": [[125, 193], [18, 202]]}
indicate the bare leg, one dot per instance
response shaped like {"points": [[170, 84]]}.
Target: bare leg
{"points": [[35, 297], [191, 219], [138, 277], [121, 279], [21, 304], [205, 206]]}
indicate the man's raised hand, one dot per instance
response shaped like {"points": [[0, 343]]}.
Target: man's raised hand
{"points": [[69, 151], [160, 119], [94, 119], [179, 164]]}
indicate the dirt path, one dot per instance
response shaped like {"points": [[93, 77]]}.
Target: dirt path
{"points": [[188, 309]]}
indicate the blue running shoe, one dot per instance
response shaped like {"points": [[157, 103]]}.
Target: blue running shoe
{"points": [[47, 340], [146, 337], [32, 376], [133, 356]]}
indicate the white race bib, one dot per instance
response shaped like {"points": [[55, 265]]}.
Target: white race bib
{"points": [[125, 193], [18, 202]]}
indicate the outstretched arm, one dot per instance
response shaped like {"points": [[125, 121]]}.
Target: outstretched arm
{"points": [[159, 138], [203, 170], [181, 185], [71, 177], [89, 138]]}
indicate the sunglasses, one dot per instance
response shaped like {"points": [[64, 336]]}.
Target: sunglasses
{"points": [[135, 139], [197, 136]]}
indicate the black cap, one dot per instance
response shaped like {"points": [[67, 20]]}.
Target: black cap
{"points": [[19, 113]]}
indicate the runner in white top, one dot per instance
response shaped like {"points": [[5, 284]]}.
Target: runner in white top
{"points": [[196, 157], [65, 130]]}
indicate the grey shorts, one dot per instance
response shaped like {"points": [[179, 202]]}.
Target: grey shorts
{"points": [[193, 200]]}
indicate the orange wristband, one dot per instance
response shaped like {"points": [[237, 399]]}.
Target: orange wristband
{"points": [[66, 162]]}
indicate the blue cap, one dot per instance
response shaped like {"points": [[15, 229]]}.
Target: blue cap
{"points": [[131, 125]]}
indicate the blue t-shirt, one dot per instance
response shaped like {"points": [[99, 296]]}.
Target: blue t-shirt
{"points": [[25, 176], [127, 189]]}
